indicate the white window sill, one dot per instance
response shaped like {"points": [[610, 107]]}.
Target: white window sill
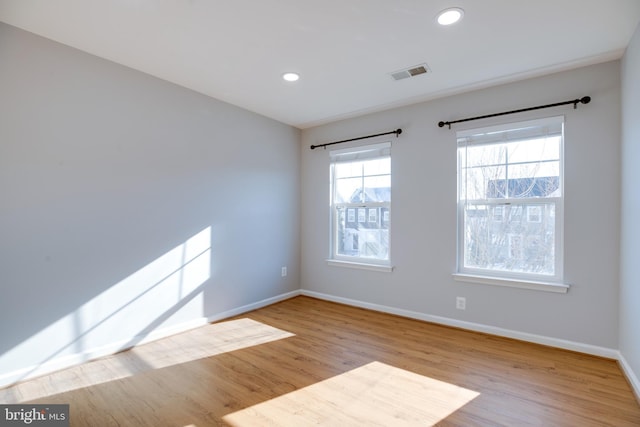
{"points": [[361, 266], [513, 283]]}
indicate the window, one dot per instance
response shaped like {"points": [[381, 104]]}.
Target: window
{"points": [[361, 183], [498, 213], [373, 215], [534, 213], [510, 200], [361, 214]]}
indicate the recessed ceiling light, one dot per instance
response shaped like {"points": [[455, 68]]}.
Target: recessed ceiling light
{"points": [[450, 16], [291, 77]]}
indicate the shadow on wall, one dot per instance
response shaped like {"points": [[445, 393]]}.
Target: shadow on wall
{"points": [[166, 291]]}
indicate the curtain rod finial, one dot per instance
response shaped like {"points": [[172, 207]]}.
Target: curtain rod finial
{"points": [[585, 99]]}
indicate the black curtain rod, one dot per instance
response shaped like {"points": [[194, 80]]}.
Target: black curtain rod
{"points": [[397, 132], [583, 100]]}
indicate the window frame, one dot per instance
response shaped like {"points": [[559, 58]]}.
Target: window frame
{"points": [[361, 262], [553, 283]]}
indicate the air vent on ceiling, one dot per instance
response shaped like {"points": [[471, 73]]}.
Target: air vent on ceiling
{"points": [[410, 72]]}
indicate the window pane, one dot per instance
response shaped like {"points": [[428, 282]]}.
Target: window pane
{"points": [[534, 169], [367, 236], [346, 170], [347, 190], [535, 149], [485, 155], [483, 182], [538, 180], [516, 238], [377, 167], [377, 189]]}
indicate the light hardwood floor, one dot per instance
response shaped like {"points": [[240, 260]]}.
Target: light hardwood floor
{"points": [[309, 362]]}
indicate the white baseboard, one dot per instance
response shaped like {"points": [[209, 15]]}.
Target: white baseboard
{"points": [[523, 336], [253, 306], [631, 376], [65, 362]]}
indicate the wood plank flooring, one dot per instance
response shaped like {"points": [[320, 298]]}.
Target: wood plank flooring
{"points": [[328, 364]]}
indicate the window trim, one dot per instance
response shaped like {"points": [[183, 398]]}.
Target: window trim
{"points": [[522, 283], [551, 283], [360, 265]]}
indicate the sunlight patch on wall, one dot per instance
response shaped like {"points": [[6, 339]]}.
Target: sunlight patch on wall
{"points": [[163, 293], [375, 394], [151, 292], [198, 343]]}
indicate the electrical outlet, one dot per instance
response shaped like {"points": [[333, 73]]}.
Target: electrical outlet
{"points": [[461, 303], [284, 271]]}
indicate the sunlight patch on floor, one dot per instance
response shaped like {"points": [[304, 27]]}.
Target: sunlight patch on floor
{"points": [[199, 343], [375, 394], [208, 341]]}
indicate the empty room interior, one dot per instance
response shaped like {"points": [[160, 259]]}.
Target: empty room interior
{"points": [[340, 213]]}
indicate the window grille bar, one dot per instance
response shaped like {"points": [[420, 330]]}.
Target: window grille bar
{"points": [[575, 102], [397, 132]]}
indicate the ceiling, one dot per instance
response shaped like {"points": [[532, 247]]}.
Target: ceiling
{"points": [[344, 50]]}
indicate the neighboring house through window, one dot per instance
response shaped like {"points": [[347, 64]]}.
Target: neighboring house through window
{"points": [[361, 187]]}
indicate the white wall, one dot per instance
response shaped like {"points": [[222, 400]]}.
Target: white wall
{"points": [[424, 213], [630, 236], [129, 206]]}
